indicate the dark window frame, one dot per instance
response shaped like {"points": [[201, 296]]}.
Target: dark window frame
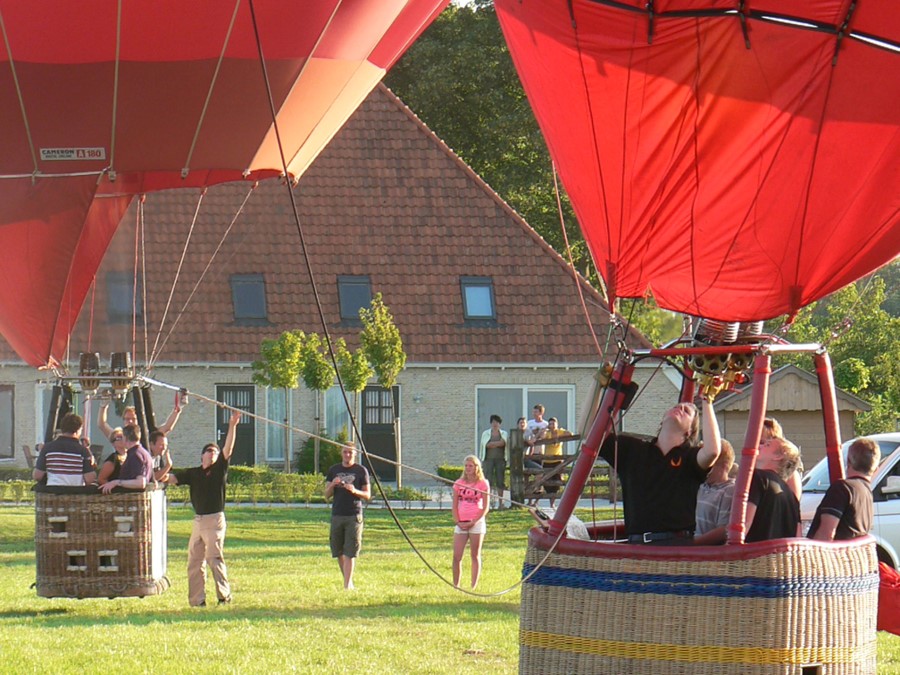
{"points": [[10, 452], [118, 284], [466, 282], [346, 281], [243, 317]]}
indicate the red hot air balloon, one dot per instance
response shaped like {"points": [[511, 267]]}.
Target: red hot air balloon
{"points": [[736, 160], [104, 100]]}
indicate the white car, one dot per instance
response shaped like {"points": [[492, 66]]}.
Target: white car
{"points": [[885, 493]]}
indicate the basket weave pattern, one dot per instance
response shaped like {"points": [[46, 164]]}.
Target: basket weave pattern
{"points": [[769, 611], [90, 546]]}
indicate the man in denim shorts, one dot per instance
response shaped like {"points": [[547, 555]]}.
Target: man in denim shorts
{"points": [[348, 483]]}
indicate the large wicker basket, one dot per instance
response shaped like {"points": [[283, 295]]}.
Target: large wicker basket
{"points": [[785, 606], [91, 545]]}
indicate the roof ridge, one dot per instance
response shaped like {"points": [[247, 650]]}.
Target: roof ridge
{"points": [[485, 186]]}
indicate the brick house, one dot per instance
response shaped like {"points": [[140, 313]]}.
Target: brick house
{"points": [[490, 315]]}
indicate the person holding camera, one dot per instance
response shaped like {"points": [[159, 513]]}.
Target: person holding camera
{"points": [[348, 483]]}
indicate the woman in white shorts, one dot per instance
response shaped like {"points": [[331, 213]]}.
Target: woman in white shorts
{"points": [[470, 506]]}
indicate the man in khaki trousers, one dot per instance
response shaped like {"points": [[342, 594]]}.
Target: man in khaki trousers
{"points": [[207, 485]]}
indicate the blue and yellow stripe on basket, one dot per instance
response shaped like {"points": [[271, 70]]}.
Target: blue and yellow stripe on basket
{"points": [[701, 586], [708, 653]]}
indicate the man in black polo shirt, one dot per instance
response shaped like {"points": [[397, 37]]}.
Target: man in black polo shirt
{"points": [[660, 476], [348, 483], [846, 511], [207, 484]]}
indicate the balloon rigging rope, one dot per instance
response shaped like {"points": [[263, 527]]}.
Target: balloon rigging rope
{"points": [[15, 77], [562, 225], [328, 340], [142, 225], [212, 84], [115, 93], [187, 241], [134, 283], [202, 276]]}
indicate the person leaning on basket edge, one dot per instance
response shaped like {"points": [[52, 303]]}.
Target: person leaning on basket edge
{"points": [[207, 543], [660, 476]]}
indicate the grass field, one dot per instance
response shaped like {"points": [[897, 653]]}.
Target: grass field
{"points": [[289, 613]]}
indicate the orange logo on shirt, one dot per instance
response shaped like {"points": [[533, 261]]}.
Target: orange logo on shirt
{"points": [[675, 461]]}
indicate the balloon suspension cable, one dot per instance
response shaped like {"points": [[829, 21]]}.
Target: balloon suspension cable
{"points": [[134, 283], [158, 352], [575, 274], [440, 479], [91, 315], [142, 225], [187, 241]]}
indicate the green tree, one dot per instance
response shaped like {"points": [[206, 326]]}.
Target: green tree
{"points": [[381, 342], [279, 366], [863, 341], [354, 369]]}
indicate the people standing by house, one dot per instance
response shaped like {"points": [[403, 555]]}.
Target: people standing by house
{"points": [[348, 483], [773, 511], [471, 503], [64, 460], [714, 499], [661, 476], [552, 456], [522, 425], [207, 543], [492, 453], [846, 510], [534, 429], [111, 466], [159, 451]]}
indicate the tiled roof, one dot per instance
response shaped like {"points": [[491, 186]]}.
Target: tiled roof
{"points": [[385, 199]]}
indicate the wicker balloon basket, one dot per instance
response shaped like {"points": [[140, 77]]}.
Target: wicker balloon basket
{"points": [[785, 606], [90, 545]]}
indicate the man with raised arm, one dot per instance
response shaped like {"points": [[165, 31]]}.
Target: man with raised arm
{"points": [[660, 476], [129, 416], [207, 543]]}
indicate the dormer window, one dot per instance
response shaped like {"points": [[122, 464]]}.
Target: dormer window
{"points": [[478, 298], [123, 304], [354, 293], [248, 295]]}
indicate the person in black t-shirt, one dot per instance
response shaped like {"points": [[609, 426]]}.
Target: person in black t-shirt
{"points": [[207, 485], [846, 511], [660, 476], [773, 511], [348, 483]]}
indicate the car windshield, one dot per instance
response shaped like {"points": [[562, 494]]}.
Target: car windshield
{"points": [[817, 479]]}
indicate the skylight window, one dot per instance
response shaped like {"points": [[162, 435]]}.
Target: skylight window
{"points": [[478, 298]]}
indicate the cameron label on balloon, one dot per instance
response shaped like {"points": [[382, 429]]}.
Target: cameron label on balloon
{"points": [[72, 154]]}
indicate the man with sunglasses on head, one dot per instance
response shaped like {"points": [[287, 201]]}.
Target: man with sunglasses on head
{"points": [[207, 486]]}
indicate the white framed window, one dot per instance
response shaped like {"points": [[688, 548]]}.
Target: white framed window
{"points": [[278, 402], [337, 418]]}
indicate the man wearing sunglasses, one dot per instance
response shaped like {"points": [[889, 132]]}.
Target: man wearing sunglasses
{"points": [[207, 486]]}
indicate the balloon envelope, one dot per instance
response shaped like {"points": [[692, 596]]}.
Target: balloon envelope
{"points": [[737, 167], [103, 100]]}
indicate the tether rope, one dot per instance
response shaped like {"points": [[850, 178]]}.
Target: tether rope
{"points": [[390, 509]]}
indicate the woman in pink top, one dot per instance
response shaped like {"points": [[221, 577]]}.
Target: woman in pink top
{"points": [[470, 506]]}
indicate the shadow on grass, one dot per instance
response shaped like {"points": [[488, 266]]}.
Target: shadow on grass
{"points": [[431, 613]]}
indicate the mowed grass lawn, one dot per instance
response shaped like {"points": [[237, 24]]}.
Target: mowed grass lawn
{"points": [[289, 613]]}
